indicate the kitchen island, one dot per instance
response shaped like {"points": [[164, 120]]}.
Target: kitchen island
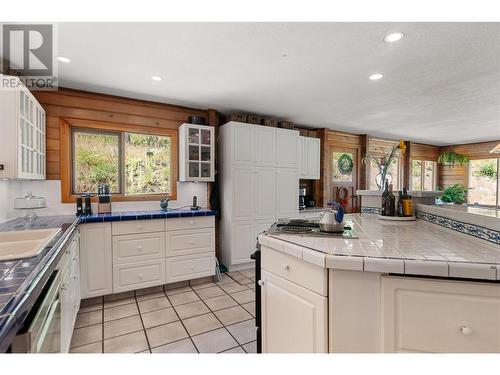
{"points": [[398, 287]]}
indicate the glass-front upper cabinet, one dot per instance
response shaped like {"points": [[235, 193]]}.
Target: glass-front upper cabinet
{"points": [[22, 148], [196, 152]]}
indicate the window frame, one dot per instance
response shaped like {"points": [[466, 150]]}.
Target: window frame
{"points": [[497, 197], [422, 174], [66, 155]]}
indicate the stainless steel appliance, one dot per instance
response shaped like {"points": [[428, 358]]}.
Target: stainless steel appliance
{"points": [[307, 228], [302, 198], [41, 332]]}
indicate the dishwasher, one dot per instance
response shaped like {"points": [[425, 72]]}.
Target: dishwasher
{"points": [[41, 332]]}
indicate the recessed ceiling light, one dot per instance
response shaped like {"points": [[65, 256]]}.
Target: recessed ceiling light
{"points": [[156, 78], [284, 55], [376, 76], [393, 37], [63, 59]]}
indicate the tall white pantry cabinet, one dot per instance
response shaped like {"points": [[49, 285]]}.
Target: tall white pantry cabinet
{"points": [[22, 144], [259, 183]]}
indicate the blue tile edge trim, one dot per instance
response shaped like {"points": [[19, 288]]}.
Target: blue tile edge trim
{"points": [[143, 215], [465, 228], [371, 210]]}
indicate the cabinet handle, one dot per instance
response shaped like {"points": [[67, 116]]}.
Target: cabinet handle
{"points": [[466, 331], [260, 282], [285, 267]]}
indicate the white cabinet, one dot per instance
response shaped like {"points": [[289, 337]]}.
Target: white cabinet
{"points": [[196, 152], [440, 316], [22, 145], [310, 150], [70, 291], [265, 193], [243, 193], [264, 146], [287, 192], [287, 145], [96, 261], [259, 182], [294, 319]]}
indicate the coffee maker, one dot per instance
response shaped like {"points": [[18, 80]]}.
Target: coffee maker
{"points": [[302, 198]]}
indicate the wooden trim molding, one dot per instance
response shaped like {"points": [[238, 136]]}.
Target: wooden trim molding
{"points": [[65, 126]]}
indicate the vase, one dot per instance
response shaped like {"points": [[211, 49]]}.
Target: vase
{"points": [[382, 176]]}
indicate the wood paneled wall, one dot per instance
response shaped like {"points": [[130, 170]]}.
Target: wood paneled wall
{"points": [[420, 151], [323, 189], [459, 174], [73, 104]]}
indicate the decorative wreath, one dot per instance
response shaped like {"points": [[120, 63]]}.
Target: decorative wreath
{"points": [[345, 164]]}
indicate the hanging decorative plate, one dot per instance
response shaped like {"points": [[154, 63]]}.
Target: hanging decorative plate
{"points": [[345, 164]]}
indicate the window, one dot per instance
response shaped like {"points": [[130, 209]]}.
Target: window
{"points": [[394, 172], [483, 182], [138, 163], [423, 175]]}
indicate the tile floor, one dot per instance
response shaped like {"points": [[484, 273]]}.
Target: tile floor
{"points": [[192, 317]]}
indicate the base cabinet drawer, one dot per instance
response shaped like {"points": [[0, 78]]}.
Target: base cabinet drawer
{"points": [[190, 223], [190, 267], [138, 226], [193, 241], [138, 275], [295, 270], [440, 316], [138, 247]]}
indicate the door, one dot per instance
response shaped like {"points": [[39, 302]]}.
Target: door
{"points": [[243, 193], [265, 193], [343, 177], [96, 271], [242, 144], [294, 319], [264, 146], [287, 148], [242, 242], [287, 192], [313, 157]]}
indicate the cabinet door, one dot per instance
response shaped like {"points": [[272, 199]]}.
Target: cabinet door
{"points": [[312, 161], [264, 146], [287, 192], [243, 242], [96, 271], [294, 319], [265, 193], [287, 148], [243, 193], [303, 157], [242, 144], [67, 309], [438, 316]]}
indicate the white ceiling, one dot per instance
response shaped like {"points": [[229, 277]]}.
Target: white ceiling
{"points": [[441, 82]]}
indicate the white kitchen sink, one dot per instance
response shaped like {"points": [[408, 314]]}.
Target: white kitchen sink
{"points": [[25, 244]]}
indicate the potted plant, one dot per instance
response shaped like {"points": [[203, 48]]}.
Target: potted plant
{"points": [[454, 194], [384, 162], [452, 158]]}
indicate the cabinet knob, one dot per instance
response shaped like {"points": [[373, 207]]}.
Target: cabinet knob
{"points": [[260, 282], [140, 276], [466, 331], [191, 242], [285, 267], [139, 247], [191, 222], [139, 226], [191, 267]]}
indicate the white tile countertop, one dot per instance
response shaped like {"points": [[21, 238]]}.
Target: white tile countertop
{"points": [[413, 247]]}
